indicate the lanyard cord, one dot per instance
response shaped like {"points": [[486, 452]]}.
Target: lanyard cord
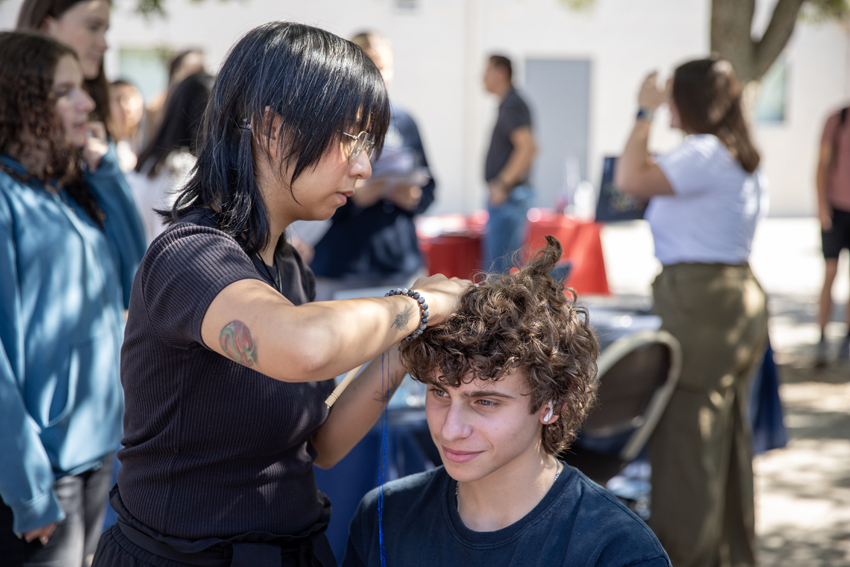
{"points": [[382, 461]]}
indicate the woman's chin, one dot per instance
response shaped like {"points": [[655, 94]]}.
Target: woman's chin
{"points": [[91, 71]]}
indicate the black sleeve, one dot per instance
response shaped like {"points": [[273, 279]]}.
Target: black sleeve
{"points": [[516, 115], [182, 273]]}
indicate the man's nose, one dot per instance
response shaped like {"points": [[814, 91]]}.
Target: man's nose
{"points": [[456, 424]]}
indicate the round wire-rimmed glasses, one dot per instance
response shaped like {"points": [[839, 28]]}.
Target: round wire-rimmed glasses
{"points": [[361, 143]]}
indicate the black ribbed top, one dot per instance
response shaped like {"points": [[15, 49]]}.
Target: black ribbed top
{"points": [[212, 448]]}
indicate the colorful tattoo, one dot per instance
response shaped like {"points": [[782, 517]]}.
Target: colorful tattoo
{"points": [[236, 342], [403, 318]]}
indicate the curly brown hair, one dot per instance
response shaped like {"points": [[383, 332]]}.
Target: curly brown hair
{"points": [[30, 131], [525, 321]]}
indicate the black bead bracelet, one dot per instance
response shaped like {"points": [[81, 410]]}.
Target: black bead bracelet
{"points": [[423, 309]]}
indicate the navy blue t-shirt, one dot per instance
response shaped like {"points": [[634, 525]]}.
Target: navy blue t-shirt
{"points": [[577, 523], [513, 114]]}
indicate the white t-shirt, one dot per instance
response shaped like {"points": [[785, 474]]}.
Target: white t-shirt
{"points": [[711, 217], [161, 191]]}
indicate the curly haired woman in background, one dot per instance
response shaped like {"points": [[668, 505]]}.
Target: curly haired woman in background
{"points": [[70, 241]]}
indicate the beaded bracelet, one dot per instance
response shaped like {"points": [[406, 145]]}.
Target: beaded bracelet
{"points": [[423, 309]]}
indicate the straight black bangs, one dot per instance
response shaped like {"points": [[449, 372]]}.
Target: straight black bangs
{"points": [[320, 86]]}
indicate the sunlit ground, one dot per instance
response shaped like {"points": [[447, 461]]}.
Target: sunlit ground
{"points": [[802, 491]]}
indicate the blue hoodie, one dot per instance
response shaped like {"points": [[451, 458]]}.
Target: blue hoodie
{"points": [[64, 285]]}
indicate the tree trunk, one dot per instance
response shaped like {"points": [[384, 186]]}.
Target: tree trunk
{"points": [[731, 35]]}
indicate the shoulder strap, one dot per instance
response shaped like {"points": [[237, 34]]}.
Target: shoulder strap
{"points": [[836, 136]]}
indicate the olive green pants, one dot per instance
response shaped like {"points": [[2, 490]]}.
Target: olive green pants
{"points": [[701, 451]]}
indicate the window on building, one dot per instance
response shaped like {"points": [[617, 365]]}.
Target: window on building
{"points": [[146, 68], [406, 5], [772, 98]]}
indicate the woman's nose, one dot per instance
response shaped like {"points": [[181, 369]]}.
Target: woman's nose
{"points": [[85, 102], [361, 167]]}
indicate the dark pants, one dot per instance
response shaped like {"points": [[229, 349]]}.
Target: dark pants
{"points": [[701, 450], [83, 499]]}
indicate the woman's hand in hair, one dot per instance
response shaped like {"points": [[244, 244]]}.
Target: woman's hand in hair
{"points": [[96, 146], [442, 295], [650, 96]]}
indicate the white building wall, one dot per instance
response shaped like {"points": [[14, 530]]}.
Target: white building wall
{"points": [[441, 48]]}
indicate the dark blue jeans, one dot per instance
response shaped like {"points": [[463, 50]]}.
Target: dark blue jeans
{"points": [[505, 230], [83, 499]]}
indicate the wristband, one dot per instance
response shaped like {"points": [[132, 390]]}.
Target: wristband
{"points": [[423, 309], [645, 114]]}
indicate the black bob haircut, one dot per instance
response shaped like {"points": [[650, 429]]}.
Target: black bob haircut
{"points": [[320, 86]]}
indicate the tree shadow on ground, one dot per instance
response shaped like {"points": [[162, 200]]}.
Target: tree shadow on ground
{"points": [[788, 546]]}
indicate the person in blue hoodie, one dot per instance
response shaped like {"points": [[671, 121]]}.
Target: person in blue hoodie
{"points": [[70, 243]]}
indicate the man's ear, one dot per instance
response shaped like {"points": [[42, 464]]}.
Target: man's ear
{"points": [[547, 414]]}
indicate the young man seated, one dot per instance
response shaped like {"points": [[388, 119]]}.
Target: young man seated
{"points": [[510, 378]]}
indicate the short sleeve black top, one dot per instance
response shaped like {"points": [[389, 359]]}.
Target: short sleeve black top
{"points": [[577, 524], [212, 448], [513, 114]]}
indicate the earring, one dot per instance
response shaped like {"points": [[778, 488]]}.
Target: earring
{"points": [[549, 415]]}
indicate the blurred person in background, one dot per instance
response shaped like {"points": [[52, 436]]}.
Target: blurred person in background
{"points": [[372, 238], [82, 25], [127, 108], [165, 162], [67, 260], [509, 159], [185, 63], [833, 187], [706, 197]]}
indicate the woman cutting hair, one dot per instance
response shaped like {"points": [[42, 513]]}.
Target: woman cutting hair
{"points": [[705, 199], [226, 364], [70, 242]]}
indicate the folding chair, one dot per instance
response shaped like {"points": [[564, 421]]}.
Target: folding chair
{"points": [[637, 376]]}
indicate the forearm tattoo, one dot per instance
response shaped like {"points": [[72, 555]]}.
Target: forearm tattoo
{"points": [[236, 342], [395, 379], [403, 318]]}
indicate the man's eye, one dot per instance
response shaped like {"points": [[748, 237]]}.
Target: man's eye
{"points": [[438, 393]]}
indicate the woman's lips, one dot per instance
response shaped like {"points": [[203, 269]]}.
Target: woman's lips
{"points": [[459, 456]]}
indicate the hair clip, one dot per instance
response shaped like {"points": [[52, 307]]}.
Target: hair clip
{"points": [[245, 124]]}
